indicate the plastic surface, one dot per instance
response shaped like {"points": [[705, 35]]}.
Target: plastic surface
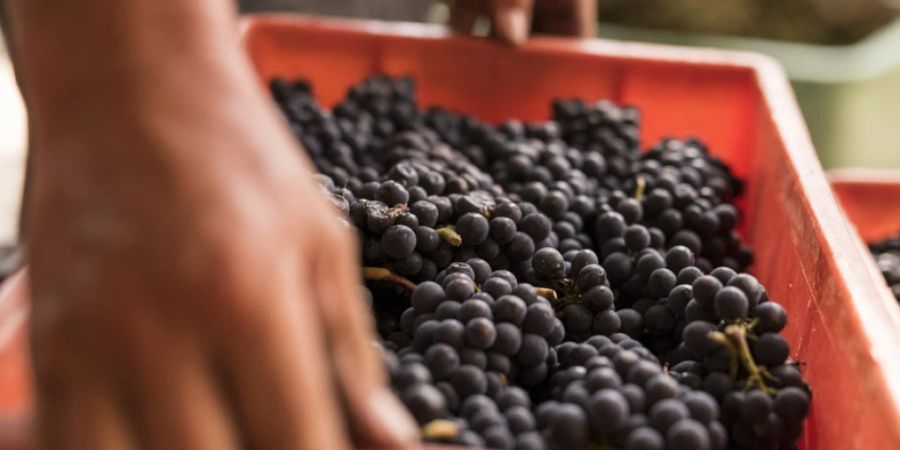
{"points": [[871, 199], [15, 383], [807, 254]]}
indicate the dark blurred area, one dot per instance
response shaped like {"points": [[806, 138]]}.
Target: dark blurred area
{"points": [[407, 10], [812, 21]]}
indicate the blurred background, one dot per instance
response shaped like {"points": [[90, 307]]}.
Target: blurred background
{"points": [[843, 58]]}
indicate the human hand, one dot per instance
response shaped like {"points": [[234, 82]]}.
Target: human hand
{"points": [[190, 288], [513, 20]]}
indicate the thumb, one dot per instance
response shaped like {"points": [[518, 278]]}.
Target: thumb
{"points": [[511, 19]]}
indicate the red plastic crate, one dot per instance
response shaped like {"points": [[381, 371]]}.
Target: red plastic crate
{"points": [[842, 324], [871, 199]]}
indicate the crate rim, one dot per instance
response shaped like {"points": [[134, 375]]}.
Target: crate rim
{"points": [[873, 307], [863, 175]]}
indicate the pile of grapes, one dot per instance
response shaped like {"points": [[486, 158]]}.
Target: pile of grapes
{"points": [[887, 256], [550, 286]]}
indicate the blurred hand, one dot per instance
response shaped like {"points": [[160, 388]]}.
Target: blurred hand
{"points": [[514, 20], [191, 289]]}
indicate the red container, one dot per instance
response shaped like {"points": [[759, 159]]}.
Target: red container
{"points": [[842, 324], [871, 199]]}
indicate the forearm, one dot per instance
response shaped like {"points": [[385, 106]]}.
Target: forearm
{"points": [[89, 57], [117, 87]]}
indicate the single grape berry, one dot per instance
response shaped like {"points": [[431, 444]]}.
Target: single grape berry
{"points": [[792, 404], [480, 333], [568, 426], [424, 401], [598, 298], [427, 296], [398, 241], [771, 317], [730, 303], [535, 225], [756, 406], [771, 349], [468, 380], [637, 238], [609, 411], [697, 337], [666, 413], [510, 308], [548, 264], [705, 289], [473, 228], [392, 193], [687, 435], [644, 438]]}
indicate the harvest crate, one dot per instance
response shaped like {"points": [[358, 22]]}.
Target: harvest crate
{"points": [[842, 324], [871, 199]]}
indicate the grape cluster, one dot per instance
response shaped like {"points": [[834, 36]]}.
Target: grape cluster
{"points": [[745, 364], [471, 316], [687, 195], [417, 234], [550, 286], [611, 392], [887, 256], [607, 132], [497, 416]]}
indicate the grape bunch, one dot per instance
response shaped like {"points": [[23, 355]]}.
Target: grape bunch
{"points": [[584, 299], [687, 195], [887, 256], [742, 360], [498, 416], [611, 392], [417, 235], [602, 129], [541, 286], [488, 320]]}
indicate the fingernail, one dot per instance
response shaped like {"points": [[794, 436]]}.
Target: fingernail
{"points": [[515, 26], [398, 426]]}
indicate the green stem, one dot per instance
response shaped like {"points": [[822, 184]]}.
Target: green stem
{"points": [[734, 363], [450, 235], [738, 335], [383, 274]]}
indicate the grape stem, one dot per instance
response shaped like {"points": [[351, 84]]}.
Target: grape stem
{"points": [[734, 363], [549, 294], [737, 334], [397, 209], [568, 299], [384, 274], [440, 429], [449, 234], [641, 186]]}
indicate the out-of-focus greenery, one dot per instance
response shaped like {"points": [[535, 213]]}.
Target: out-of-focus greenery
{"points": [[815, 21]]}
